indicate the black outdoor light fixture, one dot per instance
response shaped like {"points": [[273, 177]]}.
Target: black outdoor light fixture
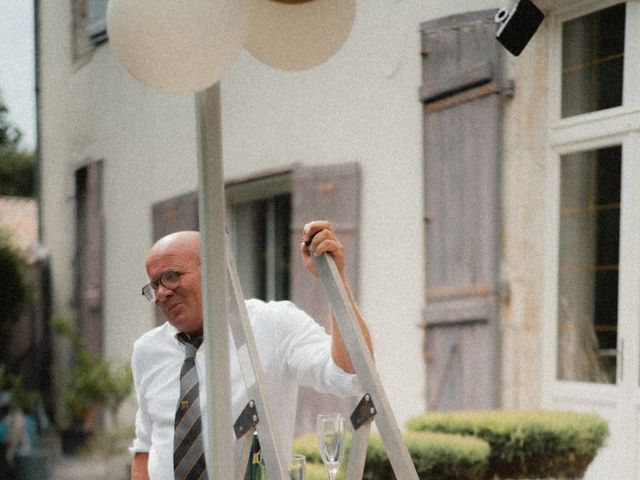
{"points": [[518, 25]]}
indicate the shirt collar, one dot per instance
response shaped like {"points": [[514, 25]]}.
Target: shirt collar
{"points": [[184, 337]]}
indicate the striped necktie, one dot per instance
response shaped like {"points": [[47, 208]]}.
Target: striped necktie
{"points": [[188, 447]]}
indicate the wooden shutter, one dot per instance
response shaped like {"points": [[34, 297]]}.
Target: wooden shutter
{"points": [[462, 99], [89, 254], [322, 193], [174, 215]]}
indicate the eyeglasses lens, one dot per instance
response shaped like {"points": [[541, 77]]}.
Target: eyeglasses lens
{"points": [[169, 280]]}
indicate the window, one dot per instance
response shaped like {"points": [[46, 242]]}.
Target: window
{"points": [[89, 27], [591, 79], [89, 264], [592, 61], [588, 265], [97, 20], [260, 215]]}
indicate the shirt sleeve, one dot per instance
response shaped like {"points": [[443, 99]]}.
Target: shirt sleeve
{"points": [[142, 439], [306, 351]]}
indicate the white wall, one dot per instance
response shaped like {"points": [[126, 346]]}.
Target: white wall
{"points": [[525, 182], [362, 105]]}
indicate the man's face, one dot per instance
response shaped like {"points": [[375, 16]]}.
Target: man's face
{"points": [[182, 305]]}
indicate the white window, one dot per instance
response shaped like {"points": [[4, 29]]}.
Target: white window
{"points": [[589, 141], [592, 306]]}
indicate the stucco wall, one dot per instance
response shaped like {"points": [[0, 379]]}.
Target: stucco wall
{"points": [[524, 185], [362, 105]]}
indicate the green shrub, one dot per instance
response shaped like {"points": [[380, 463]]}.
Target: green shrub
{"points": [[307, 445], [526, 444], [317, 471], [436, 456]]}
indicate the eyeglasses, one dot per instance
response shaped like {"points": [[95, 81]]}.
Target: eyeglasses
{"points": [[169, 280]]}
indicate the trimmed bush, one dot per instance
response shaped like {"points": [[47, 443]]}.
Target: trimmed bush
{"points": [[526, 444], [317, 471], [436, 456], [307, 445]]}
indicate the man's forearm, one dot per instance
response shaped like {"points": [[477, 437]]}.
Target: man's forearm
{"points": [[339, 350], [139, 464]]}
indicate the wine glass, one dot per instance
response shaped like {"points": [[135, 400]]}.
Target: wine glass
{"points": [[330, 431]]}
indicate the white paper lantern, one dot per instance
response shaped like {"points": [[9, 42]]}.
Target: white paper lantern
{"points": [[177, 46], [298, 34]]}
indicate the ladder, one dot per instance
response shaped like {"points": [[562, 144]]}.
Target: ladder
{"points": [[256, 415], [221, 286]]}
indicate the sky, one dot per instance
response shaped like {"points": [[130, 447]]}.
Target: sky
{"points": [[17, 69]]}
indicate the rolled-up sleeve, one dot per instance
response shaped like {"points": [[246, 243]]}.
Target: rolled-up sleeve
{"points": [[307, 353], [143, 425]]}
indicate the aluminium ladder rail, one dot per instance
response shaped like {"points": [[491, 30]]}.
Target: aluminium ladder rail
{"points": [[399, 457], [257, 414]]}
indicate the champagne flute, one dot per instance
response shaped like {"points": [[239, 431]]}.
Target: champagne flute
{"points": [[330, 431]]}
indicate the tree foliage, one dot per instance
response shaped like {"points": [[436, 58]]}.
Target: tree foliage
{"points": [[17, 173], [15, 291], [17, 166], [9, 135]]}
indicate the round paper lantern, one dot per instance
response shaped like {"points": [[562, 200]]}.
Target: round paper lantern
{"points": [[298, 34], [177, 46]]}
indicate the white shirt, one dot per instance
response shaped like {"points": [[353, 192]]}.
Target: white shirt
{"points": [[294, 350]]}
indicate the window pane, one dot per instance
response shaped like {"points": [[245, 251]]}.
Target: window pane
{"points": [[588, 265], [592, 61], [261, 246], [248, 220], [282, 206]]}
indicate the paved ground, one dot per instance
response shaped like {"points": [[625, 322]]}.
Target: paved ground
{"points": [[89, 468], [75, 467]]}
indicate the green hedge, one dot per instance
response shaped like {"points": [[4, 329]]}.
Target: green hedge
{"points": [[436, 456], [526, 444], [317, 471]]}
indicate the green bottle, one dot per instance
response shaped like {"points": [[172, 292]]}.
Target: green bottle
{"points": [[255, 465]]}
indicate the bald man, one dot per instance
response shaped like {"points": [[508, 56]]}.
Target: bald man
{"points": [[294, 350]]}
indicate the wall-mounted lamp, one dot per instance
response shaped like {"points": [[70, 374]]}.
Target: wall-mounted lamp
{"points": [[518, 25]]}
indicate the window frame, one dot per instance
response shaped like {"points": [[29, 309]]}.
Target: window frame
{"points": [[590, 131], [603, 123]]}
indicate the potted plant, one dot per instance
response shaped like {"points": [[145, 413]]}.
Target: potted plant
{"points": [[93, 382], [82, 393]]}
